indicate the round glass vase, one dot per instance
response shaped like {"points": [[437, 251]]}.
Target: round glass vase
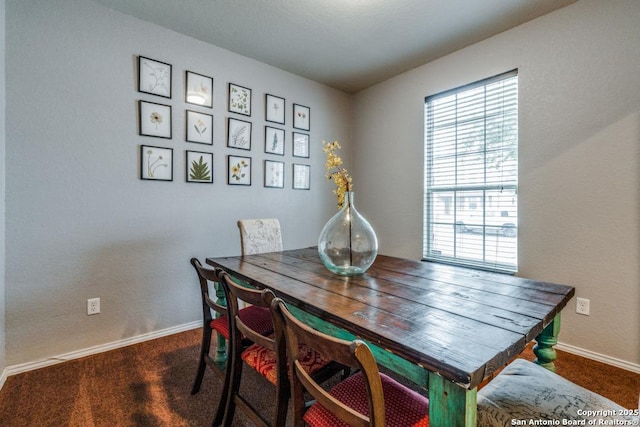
{"points": [[348, 244]]}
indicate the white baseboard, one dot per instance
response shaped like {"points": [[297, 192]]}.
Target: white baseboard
{"points": [[25, 367], [618, 363], [29, 366]]}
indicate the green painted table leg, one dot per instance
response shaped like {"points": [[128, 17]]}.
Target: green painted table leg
{"points": [[544, 350], [451, 405], [384, 357], [221, 347]]}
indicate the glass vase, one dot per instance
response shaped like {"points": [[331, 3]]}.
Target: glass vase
{"points": [[348, 244]]}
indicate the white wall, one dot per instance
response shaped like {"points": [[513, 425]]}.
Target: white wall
{"points": [[579, 194], [81, 224]]}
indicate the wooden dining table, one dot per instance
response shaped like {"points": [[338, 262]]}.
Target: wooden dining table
{"points": [[446, 328]]}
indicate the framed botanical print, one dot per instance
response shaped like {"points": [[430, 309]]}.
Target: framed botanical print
{"points": [[238, 170], [301, 117], [274, 109], [154, 77], [156, 163], [273, 140], [273, 174], [301, 177], [199, 167], [199, 127], [239, 134], [155, 119], [239, 99], [198, 89], [300, 145]]}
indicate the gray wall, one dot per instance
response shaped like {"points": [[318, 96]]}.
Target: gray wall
{"points": [[3, 363], [579, 153], [80, 224]]}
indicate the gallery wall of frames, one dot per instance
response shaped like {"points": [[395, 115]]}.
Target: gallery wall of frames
{"points": [[282, 126]]}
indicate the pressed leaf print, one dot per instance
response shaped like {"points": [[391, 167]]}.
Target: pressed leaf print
{"points": [[239, 99], [200, 170], [238, 137]]}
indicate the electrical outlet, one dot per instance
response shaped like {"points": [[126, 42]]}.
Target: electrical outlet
{"points": [[582, 306], [93, 306]]}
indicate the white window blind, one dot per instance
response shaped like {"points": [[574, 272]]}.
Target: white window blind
{"points": [[471, 175]]}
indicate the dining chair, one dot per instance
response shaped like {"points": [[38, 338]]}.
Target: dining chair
{"points": [[367, 398], [215, 318], [267, 356], [259, 236]]}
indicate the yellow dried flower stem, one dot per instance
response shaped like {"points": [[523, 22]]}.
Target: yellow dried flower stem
{"points": [[335, 172]]}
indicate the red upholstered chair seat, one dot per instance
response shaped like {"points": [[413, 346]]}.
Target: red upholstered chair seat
{"points": [[403, 407], [263, 360], [257, 318]]}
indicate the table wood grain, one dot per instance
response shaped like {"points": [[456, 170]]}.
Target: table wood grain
{"points": [[459, 324]]}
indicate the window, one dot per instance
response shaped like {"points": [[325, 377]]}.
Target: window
{"points": [[471, 175]]}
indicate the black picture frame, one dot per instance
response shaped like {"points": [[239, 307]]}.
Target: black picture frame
{"points": [[274, 140], [273, 174], [300, 145], [238, 134], [239, 99], [238, 170], [199, 167], [301, 177], [156, 163], [198, 89], [154, 77], [199, 127], [274, 109], [154, 119], [301, 117]]}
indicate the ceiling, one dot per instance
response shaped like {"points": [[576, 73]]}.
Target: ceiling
{"points": [[346, 44]]}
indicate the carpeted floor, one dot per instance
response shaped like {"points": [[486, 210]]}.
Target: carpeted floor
{"points": [[149, 384]]}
